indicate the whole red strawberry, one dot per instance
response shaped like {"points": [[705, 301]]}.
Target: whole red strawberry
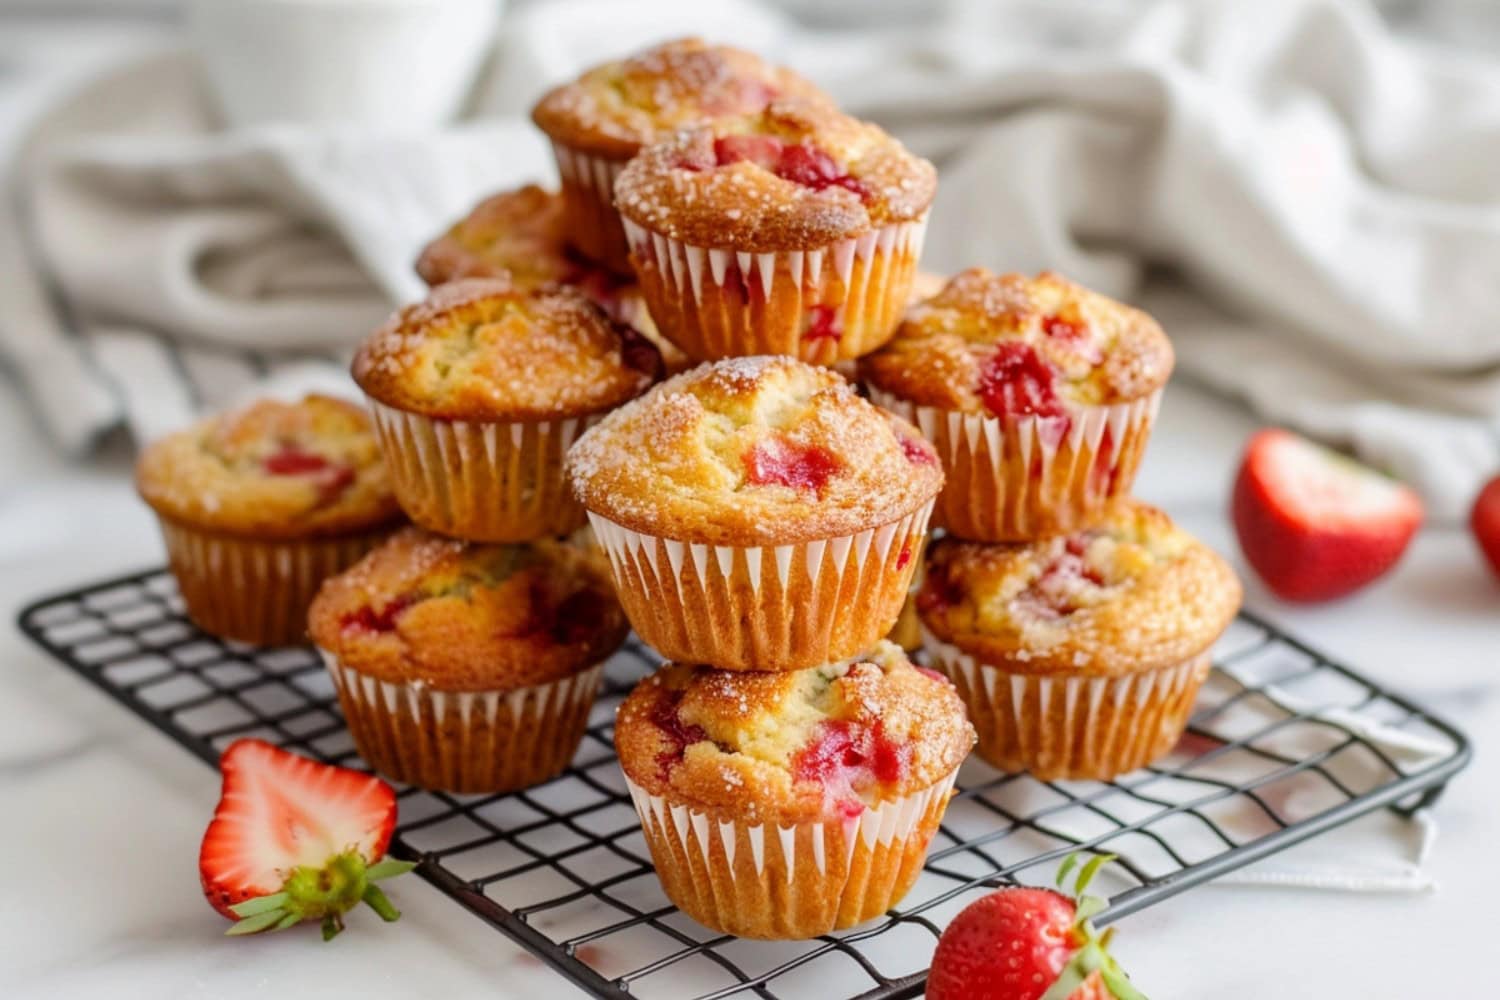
{"points": [[1484, 519], [294, 840], [1317, 525], [1029, 944]]}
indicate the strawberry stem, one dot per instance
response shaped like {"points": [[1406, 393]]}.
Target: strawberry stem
{"points": [[324, 894], [380, 904]]}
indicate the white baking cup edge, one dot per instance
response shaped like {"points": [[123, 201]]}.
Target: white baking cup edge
{"points": [[985, 435], [888, 823], [592, 172], [685, 266], [440, 445], [626, 547], [555, 697]]}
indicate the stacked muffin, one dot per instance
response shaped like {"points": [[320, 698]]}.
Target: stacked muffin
{"points": [[754, 518], [1075, 621]]}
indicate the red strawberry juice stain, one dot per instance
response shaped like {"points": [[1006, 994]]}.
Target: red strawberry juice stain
{"points": [[1104, 474], [1015, 381], [782, 462], [1074, 333], [679, 735], [904, 559], [577, 616], [823, 324], [370, 620], [934, 674]]}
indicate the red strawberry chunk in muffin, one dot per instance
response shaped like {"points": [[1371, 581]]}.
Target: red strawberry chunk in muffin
{"points": [[782, 462], [801, 163], [824, 324], [678, 734], [1017, 382], [1056, 592], [845, 757], [331, 478], [918, 451], [384, 620]]}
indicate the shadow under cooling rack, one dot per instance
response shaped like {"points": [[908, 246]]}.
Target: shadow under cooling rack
{"points": [[1283, 745]]}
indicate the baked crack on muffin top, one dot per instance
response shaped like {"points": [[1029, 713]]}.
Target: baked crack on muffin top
{"points": [[824, 743], [799, 175], [617, 107], [484, 349], [753, 451], [1009, 345], [1134, 593], [463, 616], [272, 470]]}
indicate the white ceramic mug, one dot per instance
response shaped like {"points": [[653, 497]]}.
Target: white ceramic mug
{"points": [[388, 64]]}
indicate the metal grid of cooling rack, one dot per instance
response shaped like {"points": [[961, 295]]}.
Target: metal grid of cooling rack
{"points": [[1283, 745]]}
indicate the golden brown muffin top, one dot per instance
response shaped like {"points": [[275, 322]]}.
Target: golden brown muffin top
{"points": [[1011, 345], [615, 108], [520, 236], [1134, 593], [464, 616], [482, 349], [794, 746], [272, 470], [799, 175], [753, 451]]}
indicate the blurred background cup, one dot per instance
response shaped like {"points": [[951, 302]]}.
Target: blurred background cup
{"points": [[386, 64]]}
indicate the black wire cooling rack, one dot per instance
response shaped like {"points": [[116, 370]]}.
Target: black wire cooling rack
{"points": [[1284, 744]]}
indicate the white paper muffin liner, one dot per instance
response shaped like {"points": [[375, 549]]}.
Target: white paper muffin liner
{"points": [[1020, 478], [764, 880], [589, 205], [723, 303], [479, 480], [465, 741], [1071, 726], [775, 607], [253, 590]]}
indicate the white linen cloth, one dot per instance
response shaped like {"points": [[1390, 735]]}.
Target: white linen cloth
{"points": [[1309, 205]]}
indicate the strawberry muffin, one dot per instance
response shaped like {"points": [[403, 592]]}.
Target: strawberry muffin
{"points": [[521, 235], [1078, 656], [479, 390], [787, 805], [1038, 393], [467, 667], [259, 505], [792, 231], [602, 119], [758, 514]]}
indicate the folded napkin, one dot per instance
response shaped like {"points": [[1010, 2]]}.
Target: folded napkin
{"points": [[1306, 203]]}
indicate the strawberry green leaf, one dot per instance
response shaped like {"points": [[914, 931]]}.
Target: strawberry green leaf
{"points": [[1088, 907], [1084, 963], [260, 904], [378, 902], [1089, 871], [1119, 986], [1069, 863], [388, 868], [256, 924], [290, 920]]}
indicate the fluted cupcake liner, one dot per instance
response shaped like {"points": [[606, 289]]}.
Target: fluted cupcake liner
{"points": [[255, 590], [1012, 479], [821, 306], [764, 880], [478, 480], [1071, 726], [775, 607], [588, 192], [465, 742]]}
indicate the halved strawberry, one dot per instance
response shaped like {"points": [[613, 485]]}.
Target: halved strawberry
{"points": [[295, 840], [1314, 524], [1484, 520], [1030, 944]]}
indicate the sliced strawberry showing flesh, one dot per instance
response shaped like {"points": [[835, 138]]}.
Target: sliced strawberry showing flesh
{"points": [[783, 462], [1314, 524], [294, 840], [1484, 521], [679, 735], [1016, 381]]}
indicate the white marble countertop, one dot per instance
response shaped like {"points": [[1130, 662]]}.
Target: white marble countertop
{"points": [[103, 814]]}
